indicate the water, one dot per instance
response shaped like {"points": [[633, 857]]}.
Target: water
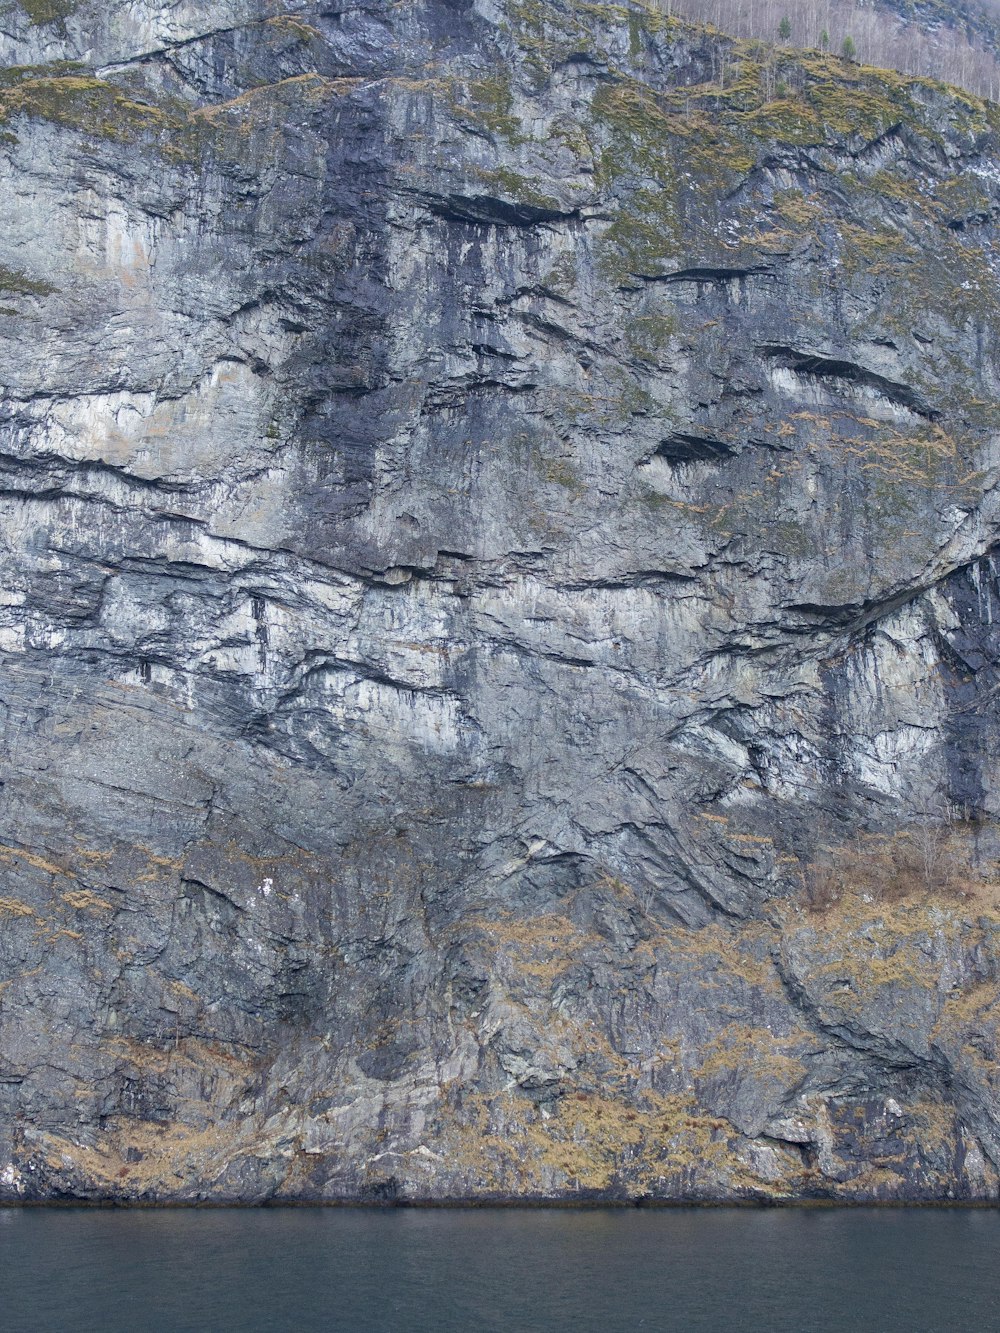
{"points": [[469, 1270]]}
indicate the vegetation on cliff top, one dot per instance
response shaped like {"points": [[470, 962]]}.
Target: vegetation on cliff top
{"points": [[671, 151], [954, 40]]}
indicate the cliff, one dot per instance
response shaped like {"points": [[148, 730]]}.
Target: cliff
{"points": [[499, 616]]}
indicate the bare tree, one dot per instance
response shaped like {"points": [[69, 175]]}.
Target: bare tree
{"points": [[963, 52]]}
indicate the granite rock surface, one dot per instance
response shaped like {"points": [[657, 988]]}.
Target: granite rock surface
{"points": [[499, 615]]}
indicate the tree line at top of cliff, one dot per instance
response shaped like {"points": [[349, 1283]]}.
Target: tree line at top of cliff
{"points": [[956, 41]]}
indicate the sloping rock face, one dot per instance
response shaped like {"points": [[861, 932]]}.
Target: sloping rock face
{"points": [[489, 492]]}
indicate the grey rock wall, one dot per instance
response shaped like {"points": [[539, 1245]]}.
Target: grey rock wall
{"points": [[486, 508]]}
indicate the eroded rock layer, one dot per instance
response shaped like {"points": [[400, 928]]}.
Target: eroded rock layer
{"points": [[499, 617]]}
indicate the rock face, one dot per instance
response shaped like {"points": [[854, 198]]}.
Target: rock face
{"points": [[498, 596]]}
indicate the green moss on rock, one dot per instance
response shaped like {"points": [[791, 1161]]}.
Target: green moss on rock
{"points": [[649, 336], [81, 102], [490, 103], [512, 185], [43, 12], [15, 283]]}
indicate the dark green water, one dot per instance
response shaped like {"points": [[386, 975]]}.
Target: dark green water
{"points": [[434, 1272]]}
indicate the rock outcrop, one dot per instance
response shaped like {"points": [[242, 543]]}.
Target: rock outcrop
{"points": [[499, 620]]}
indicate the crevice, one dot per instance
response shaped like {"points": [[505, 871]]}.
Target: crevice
{"points": [[712, 275], [164, 52], [639, 578], [489, 211], [56, 470], [893, 1054], [192, 881], [847, 372], [681, 447]]}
